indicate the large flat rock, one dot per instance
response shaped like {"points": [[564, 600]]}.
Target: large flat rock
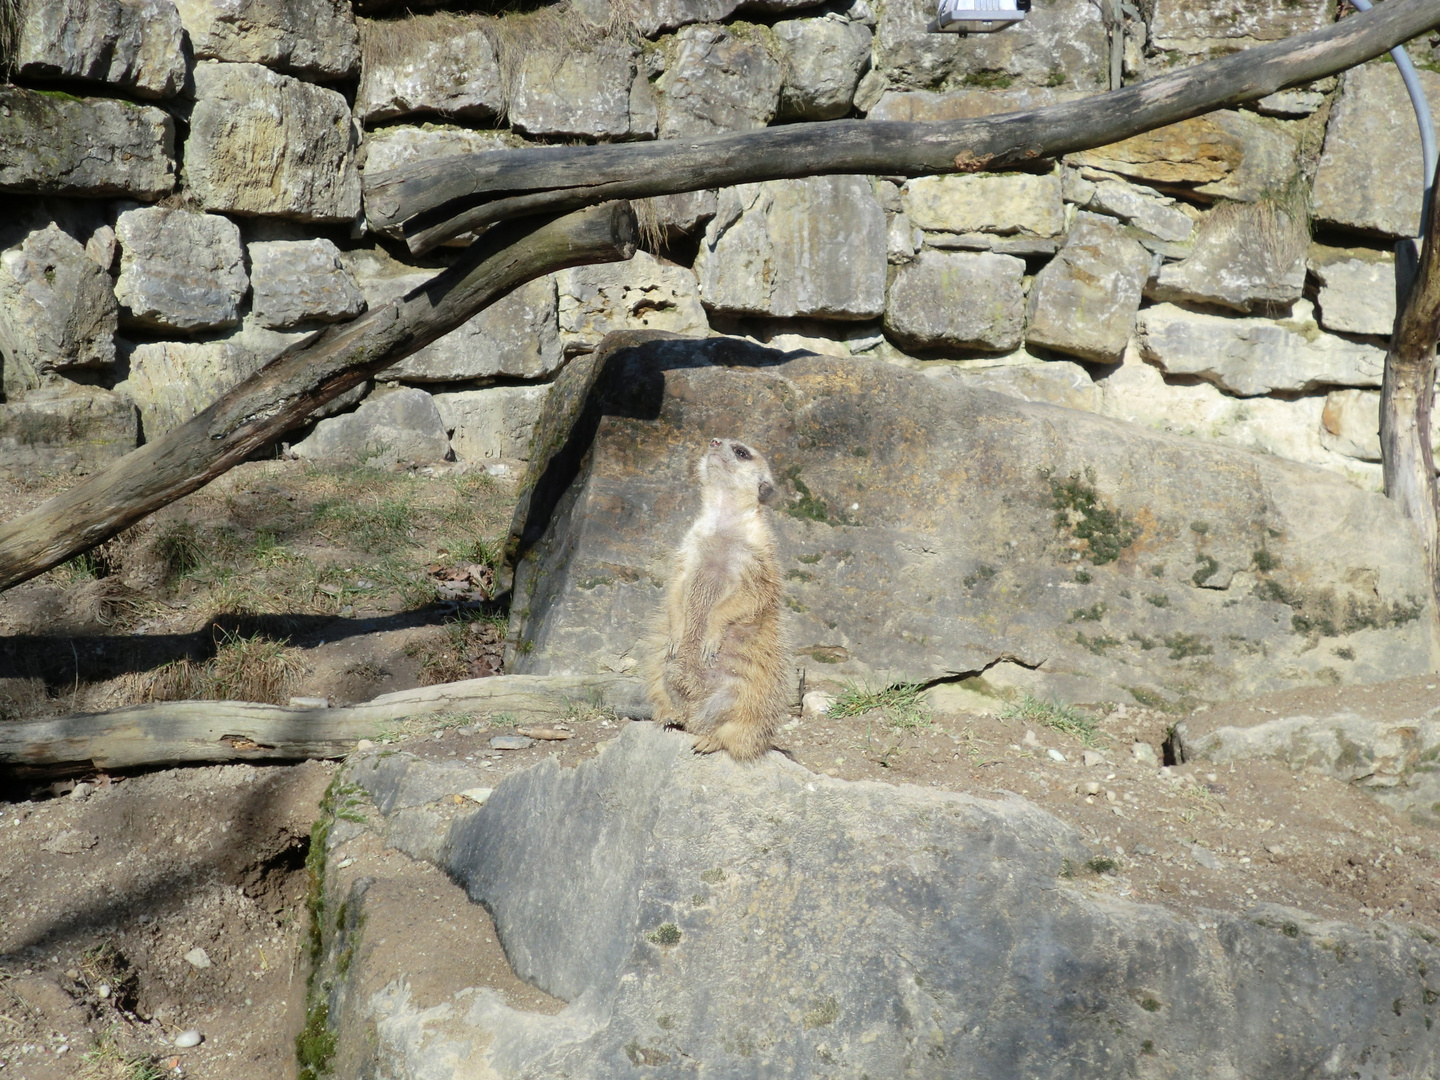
{"points": [[65, 429], [929, 528], [315, 38], [693, 916], [133, 45], [441, 64]]}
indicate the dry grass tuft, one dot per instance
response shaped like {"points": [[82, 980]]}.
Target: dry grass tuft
{"points": [[242, 669], [652, 233], [9, 35]]}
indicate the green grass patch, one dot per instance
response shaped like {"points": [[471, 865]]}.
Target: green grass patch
{"points": [[901, 705], [1057, 717]]}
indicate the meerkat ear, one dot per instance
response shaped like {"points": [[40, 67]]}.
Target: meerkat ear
{"points": [[767, 491]]}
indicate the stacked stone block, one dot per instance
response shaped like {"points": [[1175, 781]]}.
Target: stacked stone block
{"points": [[189, 177]]}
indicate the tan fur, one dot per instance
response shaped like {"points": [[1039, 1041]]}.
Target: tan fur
{"points": [[718, 666]]}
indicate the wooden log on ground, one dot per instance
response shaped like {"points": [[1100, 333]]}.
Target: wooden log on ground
{"points": [[283, 393], [440, 199], [208, 732]]}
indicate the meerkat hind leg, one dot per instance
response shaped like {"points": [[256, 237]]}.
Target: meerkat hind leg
{"points": [[743, 742]]}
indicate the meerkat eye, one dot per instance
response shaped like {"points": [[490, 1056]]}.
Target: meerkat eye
{"points": [[740, 451]]}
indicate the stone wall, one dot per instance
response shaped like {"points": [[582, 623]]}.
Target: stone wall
{"points": [[187, 182]]}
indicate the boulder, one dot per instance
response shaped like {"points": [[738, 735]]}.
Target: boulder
{"points": [[1197, 151], [438, 63], [592, 92], [1054, 382], [1059, 44], [60, 145], [640, 294], [130, 44], [57, 310], [403, 144], [1256, 356], [179, 270], [957, 300], [263, 143], [1145, 208], [1083, 302], [1247, 256], [794, 248], [172, 381], [684, 213], [1270, 157], [920, 106], [1369, 177], [823, 60], [517, 336], [296, 281], [1207, 27], [936, 548], [986, 202], [400, 425], [717, 80], [691, 914], [60, 430], [1357, 294], [1350, 423], [313, 38], [495, 422]]}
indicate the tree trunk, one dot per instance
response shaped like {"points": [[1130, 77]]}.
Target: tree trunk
{"points": [[206, 732], [283, 393], [1408, 392], [440, 199]]}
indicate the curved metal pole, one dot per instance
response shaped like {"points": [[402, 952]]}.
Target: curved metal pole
{"points": [[1422, 113]]}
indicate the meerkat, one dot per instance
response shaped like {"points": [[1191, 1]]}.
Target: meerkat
{"points": [[718, 667]]}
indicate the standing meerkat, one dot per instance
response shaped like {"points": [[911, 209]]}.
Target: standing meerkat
{"points": [[719, 669]]}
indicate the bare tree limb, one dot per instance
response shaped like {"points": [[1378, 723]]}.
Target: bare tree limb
{"points": [[198, 732], [440, 199], [288, 389], [1408, 391]]}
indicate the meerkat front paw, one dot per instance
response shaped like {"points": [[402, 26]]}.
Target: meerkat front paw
{"points": [[707, 744], [672, 649], [710, 652]]}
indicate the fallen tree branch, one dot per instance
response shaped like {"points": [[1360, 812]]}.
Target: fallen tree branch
{"points": [[446, 197], [282, 394], [207, 732]]}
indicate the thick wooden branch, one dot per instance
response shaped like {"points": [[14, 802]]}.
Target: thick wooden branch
{"points": [[1408, 391], [288, 389], [206, 732], [441, 199]]}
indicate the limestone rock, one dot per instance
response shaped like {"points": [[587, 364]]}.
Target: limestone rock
{"points": [[516, 337], [57, 310], [179, 269], [1350, 424], [316, 38], [716, 81], [1062, 42], [57, 145], [388, 428], [970, 104], [1290, 104], [131, 44], [594, 92], [958, 300], [1369, 174], [1270, 157], [1357, 296], [1197, 151], [262, 143], [1142, 207], [794, 248], [1205, 27], [1256, 356], [295, 281], [442, 64], [660, 15], [1054, 382], [642, 293], [823, 60], [985, 202], [1246, 256], [402, 144], [74, 429], [171, 381], [899, 529], [684, 213], [1084, 300], [496, 422]]}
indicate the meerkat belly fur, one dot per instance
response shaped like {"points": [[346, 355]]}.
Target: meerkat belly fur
{"points": [[719, 668]]}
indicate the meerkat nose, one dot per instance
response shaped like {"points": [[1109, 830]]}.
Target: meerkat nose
{"points": [[715, 442]]}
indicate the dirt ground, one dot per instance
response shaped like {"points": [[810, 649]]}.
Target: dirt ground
{"points": [[289, 580]]}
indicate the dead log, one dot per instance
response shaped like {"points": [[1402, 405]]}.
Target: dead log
{"points": [[282, 394], [1408, 391], [441, 199], [209, 732]]}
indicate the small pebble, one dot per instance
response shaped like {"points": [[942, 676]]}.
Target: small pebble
{"points": [[1092, 787], [1031, 739], [197, 958], [82, 790], [364, 744], [478, 794], [1110, 796], [832, 772], [1144, 753], [814, 704], [187, 1039], [549, 734], [1092, 758], [103, 990], [1055, 755], [510, 742]]}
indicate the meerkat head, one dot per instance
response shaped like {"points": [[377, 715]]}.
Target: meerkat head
{"points": [[735, 473]]}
